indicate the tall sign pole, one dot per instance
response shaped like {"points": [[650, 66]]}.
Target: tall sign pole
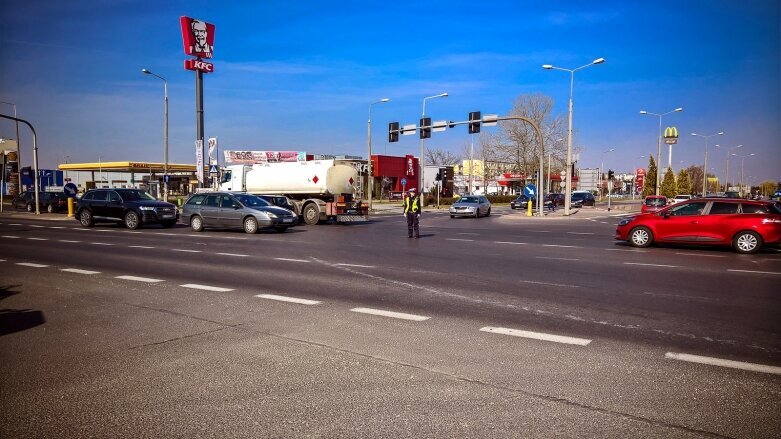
{"points": [[198, 41]]}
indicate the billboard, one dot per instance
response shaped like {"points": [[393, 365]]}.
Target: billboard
{"points": [[253, 157], [639, 179], [197, 37]]}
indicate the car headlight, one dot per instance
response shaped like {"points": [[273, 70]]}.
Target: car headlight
{"points": [[271, 215], [146, 208], [625, 221]]}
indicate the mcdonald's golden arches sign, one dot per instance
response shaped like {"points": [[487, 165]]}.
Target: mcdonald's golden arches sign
{"points": [[671, 135]]}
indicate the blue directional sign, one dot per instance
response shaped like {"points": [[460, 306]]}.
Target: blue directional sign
{"points": [[70, 190], [530, 191], [403, 181], [167, 178]]}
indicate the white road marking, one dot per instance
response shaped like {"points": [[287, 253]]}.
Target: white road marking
{"points": [[37, 226], [232, 254], [753, 367], [292, 260], [166, 234], [81, 229], [68, 240], [38, 239], [651, 265], [540, 231], [184, 250], [100, 243], [395, 315], [537, 335], [130, 231], [15, 224], [206, 287], [55, 227], [139, 246], [512, 243], [548, 283], [287, 299], [562, 246], [30, 264], [459, 239], [10, 237], [581, 233], [557, 259], [2, 260], [104, 230], [752, 271], [701, 254], [354, 265], [681, 296], [467, 233], [139, 279], [79, 271]]}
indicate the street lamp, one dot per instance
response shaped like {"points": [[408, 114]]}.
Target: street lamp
{"points": [[705, 163], [726, 166], [165, 133], [659, 147], [742, 160], [568, 187], [370, 179], [602, 171], [422, 143]]}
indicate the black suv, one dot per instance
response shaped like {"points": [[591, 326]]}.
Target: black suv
{"points": [[133, 207], [49, 201], [582, 198], [280, 201]]}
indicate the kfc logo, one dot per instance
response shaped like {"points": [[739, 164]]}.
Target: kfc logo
{"points": [[196, 64], [198, 37]]}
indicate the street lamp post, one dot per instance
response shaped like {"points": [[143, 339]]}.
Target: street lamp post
{"points": [[568, 187], [165, 133], [726, 166], [659, 147], [742, 160], [422, 145], [370, 179], [705, 163]]}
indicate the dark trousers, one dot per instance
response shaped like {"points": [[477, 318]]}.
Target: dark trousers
{"points": [[413, 224]]}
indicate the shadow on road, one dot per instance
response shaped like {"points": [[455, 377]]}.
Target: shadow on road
{"points": [[15, 320]]}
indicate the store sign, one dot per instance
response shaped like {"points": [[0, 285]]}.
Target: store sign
{"points": [[196, 65], [671, 135], [259, 157], [410, 165], [197, 37]]}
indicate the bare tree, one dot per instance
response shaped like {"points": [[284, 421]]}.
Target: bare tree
{"points": [[439, 157]]}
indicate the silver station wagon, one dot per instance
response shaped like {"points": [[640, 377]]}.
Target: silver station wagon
{"points": [[471, 205], [235, 210]]}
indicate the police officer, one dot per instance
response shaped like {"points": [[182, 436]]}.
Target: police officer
{"points": [[412, 212]]}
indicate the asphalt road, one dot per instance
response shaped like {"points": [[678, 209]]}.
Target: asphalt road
{"points": [[166, 332]]}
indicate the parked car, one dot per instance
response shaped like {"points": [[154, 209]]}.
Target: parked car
{"points": [[679, 198], [582, 198], [48, 201], [652, 203], [745, 225], [235, 210], [280, 201], [471, 205], [520, 202], [555, 198], [133, 207]]}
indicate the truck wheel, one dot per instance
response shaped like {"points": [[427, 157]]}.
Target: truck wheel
{"points": [[250, 225], [311, 214], [132, 221], [196, 223], [85, 218]]}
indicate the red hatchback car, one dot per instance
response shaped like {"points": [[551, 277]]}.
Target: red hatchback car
{"points": [[653, 203], [745, 225]]}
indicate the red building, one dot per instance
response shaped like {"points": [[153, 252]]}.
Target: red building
{"points": [[393, 170]]}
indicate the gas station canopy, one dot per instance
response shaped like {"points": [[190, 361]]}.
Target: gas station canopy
{"points": [[140, 167]]}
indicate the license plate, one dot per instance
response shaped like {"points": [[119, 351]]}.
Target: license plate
{"points": [[167, 216], [287, 220]]}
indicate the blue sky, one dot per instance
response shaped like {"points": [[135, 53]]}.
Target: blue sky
{"points": [[300, 75]]}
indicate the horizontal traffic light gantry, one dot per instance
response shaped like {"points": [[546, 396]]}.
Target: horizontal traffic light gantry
{"points": [[426, 126]]}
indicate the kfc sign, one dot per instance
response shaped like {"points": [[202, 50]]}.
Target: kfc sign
{"points": [[196, 64], [198, 37], [410, 165]]}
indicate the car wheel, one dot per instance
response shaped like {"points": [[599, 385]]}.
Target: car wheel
{"points": [[311, 214], [477, 212], [452, 216], [489, 212], [250, 225], [280, 229], [641, 237], [747, 242], [85, 218], [131, 220], [196, 223], [168, 223]]}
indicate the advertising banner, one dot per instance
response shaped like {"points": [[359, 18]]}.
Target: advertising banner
{"points": [[410, 165], [199, 160], [197, 37], [259, 157], [639, 179]]}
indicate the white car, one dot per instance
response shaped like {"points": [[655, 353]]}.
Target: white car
{"points": [[679, 198]]}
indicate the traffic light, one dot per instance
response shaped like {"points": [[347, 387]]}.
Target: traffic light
{"points": [[393, 132], [610, 174], [474, 122], [425, 127], [439, 175], [444, 174]]}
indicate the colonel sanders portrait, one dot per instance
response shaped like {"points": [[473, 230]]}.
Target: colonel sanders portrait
{"points": [[201, 48]]}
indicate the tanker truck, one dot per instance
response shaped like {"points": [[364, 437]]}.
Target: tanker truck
{"points": [[319, 190]]}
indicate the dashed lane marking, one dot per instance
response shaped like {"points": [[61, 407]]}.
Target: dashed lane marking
{"points": [[30, 264], [292, 260], [2, 260], [556, 259], [467, 233], [139, 246], [37, 226], [459, 239], [537, 335], [354, 265], [701, 254], [10, 237], [287, 299], [636, 250], [752, 271], [38, 239], [561, 246], [164, 233], [548, 283], [753, 367], [55, 227], [232, 254], [184, 250], [101, 243], [392, 314], [581, 233], [79, 271], [206, 288], [652, 265], [139, 279], [68, 240], [511, 243], [14, 224]]}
